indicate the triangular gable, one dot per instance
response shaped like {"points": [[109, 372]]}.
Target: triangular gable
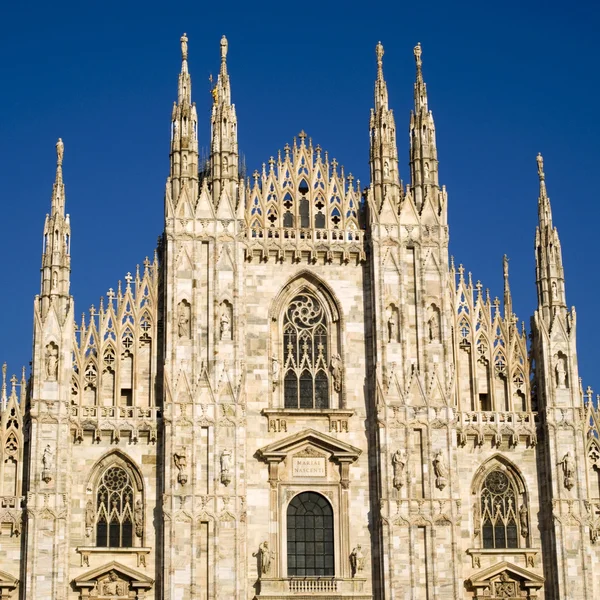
{"points": [[338, 449], [137, 579], [529, 579], [7, 581]]}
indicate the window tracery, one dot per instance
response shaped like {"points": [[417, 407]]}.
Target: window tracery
{"points": [[115, 502], [501, 517], [306, 353]]}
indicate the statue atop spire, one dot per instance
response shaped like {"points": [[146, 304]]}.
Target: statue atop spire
{"points": [[60, 152], [379, 53], [224, 46], [540, 166], [417, 52], [184, 46]]}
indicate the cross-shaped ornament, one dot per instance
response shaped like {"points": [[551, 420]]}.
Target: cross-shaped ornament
{"points": [[110, 294], [302, 136], [128, 279], [334, 164]]}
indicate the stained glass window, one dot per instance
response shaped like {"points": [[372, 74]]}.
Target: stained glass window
{"points": [[310, 536], [114, 509], [306, 380], [499, 511]]}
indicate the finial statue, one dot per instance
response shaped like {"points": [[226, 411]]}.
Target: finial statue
{"points": [[223, 48], [184, 46], [505, 266], [60, 151], [417, 52], [379, 52], [540, 165]]}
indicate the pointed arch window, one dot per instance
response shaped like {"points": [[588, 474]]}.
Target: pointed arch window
{"points": [[115, 504], [501, 517], [305, 351]]}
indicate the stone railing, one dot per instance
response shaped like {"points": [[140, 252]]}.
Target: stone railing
{"points": [[312, 585], [115, 412], [314, 235]]}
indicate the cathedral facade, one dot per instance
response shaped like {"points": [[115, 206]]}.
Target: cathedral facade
{"points": [[300, 395]]}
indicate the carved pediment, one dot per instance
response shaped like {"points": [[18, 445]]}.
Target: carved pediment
{"points": [[315, 440], [7, 581], [505, 580], [112, 581], [310, 444]]}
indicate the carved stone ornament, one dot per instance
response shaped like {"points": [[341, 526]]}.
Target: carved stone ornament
{"points": [[47, 464], [357, 560], [336, 371], [183, 319], [440, 468], [524, 520], [90, 517], [113, 587], [51, 362], [138, 517], [568, 467], [263, 556], [226, 467], [180, 460], [398, 464]]}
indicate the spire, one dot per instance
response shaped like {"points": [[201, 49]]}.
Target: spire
{"points": [[549, 267], [381, 93], [507, 295], [58, 191], [184, 133], [56, 260], [385, 177], [224, 156], [423, 149]]}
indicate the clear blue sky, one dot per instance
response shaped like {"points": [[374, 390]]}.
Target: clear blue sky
{"points": [[505, 80]]}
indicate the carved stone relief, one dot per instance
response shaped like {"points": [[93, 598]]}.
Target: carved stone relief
{"points": [[184, 313], [51, 363]]}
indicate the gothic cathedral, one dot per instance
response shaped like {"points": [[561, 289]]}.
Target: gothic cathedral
{"points": [[300, 395]]}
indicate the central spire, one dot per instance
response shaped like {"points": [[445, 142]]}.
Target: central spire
{"points": [[381, 93]]}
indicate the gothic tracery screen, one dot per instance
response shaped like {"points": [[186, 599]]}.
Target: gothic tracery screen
{"points": [[114, 509], [305, 349], [499, 511]]}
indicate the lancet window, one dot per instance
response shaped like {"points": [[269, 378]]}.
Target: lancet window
{"points": [[305, 350], [115, 502], [501, 518]]}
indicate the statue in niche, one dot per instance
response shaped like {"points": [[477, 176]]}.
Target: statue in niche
{"points": [[356, 560], [386, 169], [275, 370], [181, 464], [554, 291], [398, 464], [185, 160], [440, 468], [568, 467], [434, 327], [225, 323], [524, 520], [392, 327], [90, 517], [47, 464], [561, 372], [226, 467], [336, 371], [225, 165], [183, 319], [138, 518], [54, 280], [264, 558], [426, 170], [51, 361]]}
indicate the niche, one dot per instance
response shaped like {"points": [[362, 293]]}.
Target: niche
{"points": [[225, 320], [392, 322], [560, 370], [433, 324]]}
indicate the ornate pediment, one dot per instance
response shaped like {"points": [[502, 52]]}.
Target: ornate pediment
{"points": [[309, 439], [113, 581], [7, 582], [507, 581], [309, 445]]}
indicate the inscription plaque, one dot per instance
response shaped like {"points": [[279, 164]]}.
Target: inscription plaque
{"points": [[308, 466]]}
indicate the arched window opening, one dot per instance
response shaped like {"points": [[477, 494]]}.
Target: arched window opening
{"points": [[305, 348], [115, 509], [499, 511], [310, 536]]}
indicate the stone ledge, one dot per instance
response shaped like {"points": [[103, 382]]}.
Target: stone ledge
{"points": [[529, 554], [85, 552], [280, 417]]}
